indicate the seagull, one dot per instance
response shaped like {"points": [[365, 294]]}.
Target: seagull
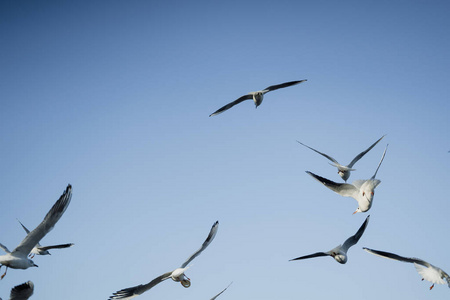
{"points": [[40, 250], [18, 258], [340, 252], [256, 96], [22, 291], [428, 272], [361, 190], [220, 292], [344, 171], [175, 275]]}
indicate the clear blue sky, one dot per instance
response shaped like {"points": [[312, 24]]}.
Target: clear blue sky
{"points": [[114, 97]]}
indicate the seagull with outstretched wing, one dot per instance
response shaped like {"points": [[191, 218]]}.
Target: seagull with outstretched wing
{"points": [[22, 291], [344, 171], [18, 258], [339, 253], [256, 96], [428, 272], [176, 275]]}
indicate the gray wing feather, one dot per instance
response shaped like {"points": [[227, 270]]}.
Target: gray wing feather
{"points": [[221, 292], [4, 248], [327, 156], [343, 189], [139, 289], [354, 239], [397, 257], [282, 85], [27, 231], [231, 104], [379, 164], [47, 224], [359, 156], [317, 254], [57, 246], [22, 291], [209, 239]]}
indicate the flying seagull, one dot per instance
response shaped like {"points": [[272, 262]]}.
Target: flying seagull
{"points": [[220, 292], [18, 258], [43, 250], [339, 253], [256, 96], [428, 272], [22, 291], [344, 171], [360, 190], [175, 275]]}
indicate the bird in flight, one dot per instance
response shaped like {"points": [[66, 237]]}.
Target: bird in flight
{"points": [[339, 253], [344, 171], [22, 291], [360, 190], [43, 250], [428, 272], [18, 258], [176, 275], [257, 96]]}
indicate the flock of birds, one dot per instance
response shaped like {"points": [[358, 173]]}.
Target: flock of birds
{"points": [[361, 190]]}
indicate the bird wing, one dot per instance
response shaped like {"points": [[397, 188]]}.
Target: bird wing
{"points": [[22, 291], [231, 104], [379, 164], [220, 292], [359, 156], [209, 239], [282, 85], [57, 246], [397, 257], [317, 254], [327, 156], [354, 239], [343, 189], [4, 248], [47, 224], [134, 291], [27, 231]]}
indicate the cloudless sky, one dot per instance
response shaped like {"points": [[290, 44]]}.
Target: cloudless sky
{"points": [[113, 97]]}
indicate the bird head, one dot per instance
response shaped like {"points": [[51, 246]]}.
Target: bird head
{"points": [[342, 259], [358, 210], [31, 263]]}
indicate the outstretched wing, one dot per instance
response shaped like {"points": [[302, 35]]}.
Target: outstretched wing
{"points": [[221, 292], [318, 254], [4, 248], [22, 291], [135, 291], [209, 239], [26, 230], [282, 85], [397, 257], [231, 104], [343, 189], [47, 224], [57, 246], [327, 156], [354, 239], [379, 164], [359, 156]]}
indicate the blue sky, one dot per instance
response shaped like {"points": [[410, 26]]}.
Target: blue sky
{"points": [[114, 97]]}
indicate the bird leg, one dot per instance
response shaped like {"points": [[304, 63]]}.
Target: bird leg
{"points": [[431, 287], [4, 273]]}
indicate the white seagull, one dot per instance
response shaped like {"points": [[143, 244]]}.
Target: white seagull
{"points": [[175, 275], [18, 258], [360, 190], [220, 292], [22, 291], [428, 272], [43, 250], [339, 253], [344, 171], [256, 96]]}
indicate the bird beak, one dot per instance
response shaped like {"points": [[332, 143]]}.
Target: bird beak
{"points": [[35, 265], [355, 212]]}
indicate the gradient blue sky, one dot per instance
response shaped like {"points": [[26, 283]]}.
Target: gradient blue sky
{"points": [[114, 97]]}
